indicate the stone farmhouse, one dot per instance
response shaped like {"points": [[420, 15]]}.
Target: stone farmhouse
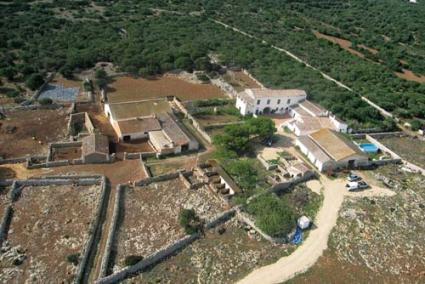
{"points": [[152, 120], [95, 148], [309, 117], [265, 101], [329, 150]]}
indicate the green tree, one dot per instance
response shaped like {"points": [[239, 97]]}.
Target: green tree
{"points": [[34, 81], [189, 221]]}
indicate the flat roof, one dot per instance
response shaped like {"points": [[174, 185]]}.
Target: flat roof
{"points": [[334, 145], [138, 125], [127, 110]]}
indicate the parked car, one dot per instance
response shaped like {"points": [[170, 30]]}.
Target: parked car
{"points": [[356, 185], [353, 177]]}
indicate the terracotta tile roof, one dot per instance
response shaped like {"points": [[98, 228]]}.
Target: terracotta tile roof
{"points": [[139, 125], [334, 145], [95, 143]]}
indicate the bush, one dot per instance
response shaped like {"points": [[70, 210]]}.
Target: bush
{"points": [[415, 125], [189, 221], [272, 215], [73, 258], [45, 101], [12, 94], [132, 260], [34, 81]]}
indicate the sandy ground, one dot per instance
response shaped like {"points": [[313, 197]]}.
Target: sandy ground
{"points": [[314, 185], [313, 247]]}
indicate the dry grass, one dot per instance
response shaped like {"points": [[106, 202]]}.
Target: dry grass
{"points": [[132, 89]]}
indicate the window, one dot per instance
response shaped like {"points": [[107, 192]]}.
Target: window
{"points": [[278, 101], [268, 102], [289, 101], [258, 102]]}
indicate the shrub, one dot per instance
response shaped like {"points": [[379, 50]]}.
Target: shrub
{"points": [[34, 81], [189, 221], [273, 215], [45, 101], [132, 260], [73, 258], [12, 94]]}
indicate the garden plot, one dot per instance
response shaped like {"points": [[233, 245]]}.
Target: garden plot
{"points": [[150, 216], [48, 231], [124, 89], [215, 258], [29, 131]]}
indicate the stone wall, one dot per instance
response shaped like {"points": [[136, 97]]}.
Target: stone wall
{"points": [[90, 247], [111, 233], [165, 251], [159, 178]]}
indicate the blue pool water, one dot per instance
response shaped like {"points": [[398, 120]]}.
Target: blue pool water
{"points": [[368, 147]]}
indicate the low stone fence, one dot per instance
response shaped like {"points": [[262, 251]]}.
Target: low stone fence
{"points": [[13, 160], [221, 125], [292, 182], [82, 118], [5, 223], [111, 232], [159, 178], [94, 234], [265, 163], [247, 220], [165, 251]]}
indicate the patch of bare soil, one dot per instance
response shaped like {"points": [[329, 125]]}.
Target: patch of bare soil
{"points": [[60, 80], [29, 131], [343, 43], [49, 223], [68, 153], [4, 197], [150, 216], [126, 88], [409, 75], [133, 146]]}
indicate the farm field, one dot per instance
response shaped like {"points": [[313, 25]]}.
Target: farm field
{"points": [[124, 89], [240, 81], [210, 119], [150, 216], [413, 150], [65, 212], [160, 167], [215, 258], [25, 132]]}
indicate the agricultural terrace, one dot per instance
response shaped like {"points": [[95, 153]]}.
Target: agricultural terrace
{"points": [[124, 89], [150, 216], [25, 132], [240, 81], [223, 255], [411, 149], [49, 228]]}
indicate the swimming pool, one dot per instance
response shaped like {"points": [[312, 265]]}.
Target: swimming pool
{"points": [[368, 147]]}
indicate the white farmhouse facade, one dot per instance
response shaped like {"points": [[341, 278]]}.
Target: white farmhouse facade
{"points": [[259, 101]]}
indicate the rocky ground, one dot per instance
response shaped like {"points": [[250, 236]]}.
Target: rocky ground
{"points": [[378, 239], [223, 255]]}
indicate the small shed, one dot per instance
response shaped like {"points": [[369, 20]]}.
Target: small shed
{"points": [[95, 149]]}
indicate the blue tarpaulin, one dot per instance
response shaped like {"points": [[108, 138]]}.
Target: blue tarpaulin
{"points": [[298, 236]]}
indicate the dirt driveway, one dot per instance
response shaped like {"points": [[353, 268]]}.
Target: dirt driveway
{"points": [[313, 247], [317, 242]]}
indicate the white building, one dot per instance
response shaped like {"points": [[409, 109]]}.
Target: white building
{"points": [[259, 101], [328, 150], [309, 117]]}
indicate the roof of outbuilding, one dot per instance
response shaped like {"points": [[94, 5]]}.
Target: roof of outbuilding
{"points": [[95, 143], [139, 125], [128, 110], [333, 144]]}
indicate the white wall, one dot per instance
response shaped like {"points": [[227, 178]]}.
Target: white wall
{"points": [[281, 107]]}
